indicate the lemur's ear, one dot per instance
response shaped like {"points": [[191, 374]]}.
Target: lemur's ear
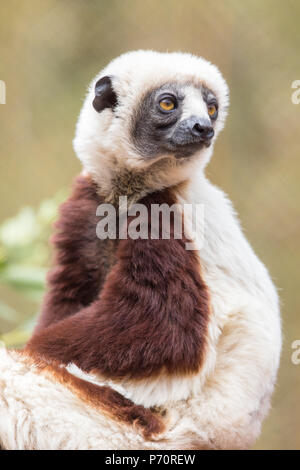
{"points": [[105, 96]]}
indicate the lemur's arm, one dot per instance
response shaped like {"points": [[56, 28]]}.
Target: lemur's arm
{"points": [[152, 312], [78, 272]]}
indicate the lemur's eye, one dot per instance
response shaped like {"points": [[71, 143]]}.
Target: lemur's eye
{"points": [[167, 104], [212, 110]]}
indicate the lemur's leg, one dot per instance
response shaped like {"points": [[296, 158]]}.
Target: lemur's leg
{"points": [[232, 404], [81, 259], [152, 312]]}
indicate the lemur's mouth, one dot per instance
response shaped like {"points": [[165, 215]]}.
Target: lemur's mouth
{"points": [[185, 150], [188, 150], [196, 144]]}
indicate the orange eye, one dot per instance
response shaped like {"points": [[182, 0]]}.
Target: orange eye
{"points": [[167, 104], [212, 110]]}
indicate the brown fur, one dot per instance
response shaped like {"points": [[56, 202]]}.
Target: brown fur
{"points": [[82, 260], [150, 316]]}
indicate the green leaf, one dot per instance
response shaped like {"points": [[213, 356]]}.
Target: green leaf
{"points": [[24, 277], [9, 314], [21, 229], [20, 335], [15, 338]]}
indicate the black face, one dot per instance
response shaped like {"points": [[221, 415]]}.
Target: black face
{"points": [[157, 128]]}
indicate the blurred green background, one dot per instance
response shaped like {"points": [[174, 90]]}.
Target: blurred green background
{"points": [[50, 50]]}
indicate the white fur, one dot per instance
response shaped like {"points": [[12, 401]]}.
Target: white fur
{"points": [[36, 412], [193, 104], [224, 404]]}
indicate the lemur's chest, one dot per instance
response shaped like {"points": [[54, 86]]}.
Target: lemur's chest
{"points": [[228, 264], [203, 217], [160, 305]]}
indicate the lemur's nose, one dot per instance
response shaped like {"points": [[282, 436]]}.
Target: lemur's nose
{"points": [[202, 128]]}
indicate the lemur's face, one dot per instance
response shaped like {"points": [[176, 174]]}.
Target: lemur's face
{"points": [[171, 119], [147, 106], [175, 119]]}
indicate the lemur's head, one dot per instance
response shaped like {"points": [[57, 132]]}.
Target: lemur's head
{"points": [[150, 110]]}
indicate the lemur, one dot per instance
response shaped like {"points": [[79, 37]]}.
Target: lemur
{"points": [[184, 344]]}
